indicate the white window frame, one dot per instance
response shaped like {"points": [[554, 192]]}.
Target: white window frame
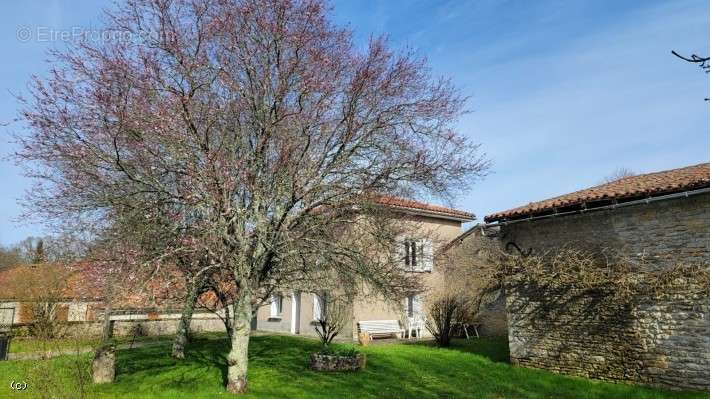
{"points": [[318, 306], [421, 259], [414, 305], [277, 305]]}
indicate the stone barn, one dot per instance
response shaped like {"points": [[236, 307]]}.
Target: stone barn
{"points": [[662, 340]]}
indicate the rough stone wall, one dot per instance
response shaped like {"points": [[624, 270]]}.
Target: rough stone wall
{"points": [[126, 327], [675, 337], [662, 341], [493, 319], [664, 232]]}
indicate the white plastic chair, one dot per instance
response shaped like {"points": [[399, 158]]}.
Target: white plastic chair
{"points": [[415, 323]]}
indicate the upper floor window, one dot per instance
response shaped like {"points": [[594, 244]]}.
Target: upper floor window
{"points": [[417, 254]]}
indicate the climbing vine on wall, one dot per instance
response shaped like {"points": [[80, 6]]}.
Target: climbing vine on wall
{"points": [[606, 272]]}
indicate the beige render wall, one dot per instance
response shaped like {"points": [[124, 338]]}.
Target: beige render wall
{"points": [[276, 324], [370, 306], [283, 324], [472, 252]]}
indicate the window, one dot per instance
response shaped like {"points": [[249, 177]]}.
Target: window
{"points": [[77, 312], [318, 306], [417, 255], [277, 302], [414, 305], [411, 249]]}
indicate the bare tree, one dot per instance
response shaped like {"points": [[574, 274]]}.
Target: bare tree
{"points": [[256, 131], [618, 174], [333, 319], [702, 62], [42, 289], [444, 312], [471, 279], [60, 248], [196, 284], [9, 257]]}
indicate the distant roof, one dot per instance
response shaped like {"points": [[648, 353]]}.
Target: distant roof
{"points": [[82, 281], [622, 190], [31, 282], [421, 207]]}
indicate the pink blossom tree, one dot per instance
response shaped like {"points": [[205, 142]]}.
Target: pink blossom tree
{"points": [[257, 132]]}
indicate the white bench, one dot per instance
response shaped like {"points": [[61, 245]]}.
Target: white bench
{"points": [[380, 328]]}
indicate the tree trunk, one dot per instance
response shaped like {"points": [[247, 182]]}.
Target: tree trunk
{"points": [[107, 332], [237, 360], [183, 327]]}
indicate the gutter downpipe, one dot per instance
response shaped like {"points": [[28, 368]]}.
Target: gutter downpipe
{"points": [[648, 200]]}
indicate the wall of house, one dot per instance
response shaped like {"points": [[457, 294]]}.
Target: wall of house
{"points": [[472, 252], [662, 341], [663, 232], [9, 310], [282, 324], [367, 306], [370, 306]]}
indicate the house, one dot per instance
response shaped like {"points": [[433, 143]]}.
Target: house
{"points": [[662, 217], [80, 298], [296, 312], [473, 253]]}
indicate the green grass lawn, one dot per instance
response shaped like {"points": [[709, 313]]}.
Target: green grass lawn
{"points": [[278, 368]]}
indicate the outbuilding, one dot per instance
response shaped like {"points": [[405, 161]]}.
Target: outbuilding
{"points": [[663, 218]]}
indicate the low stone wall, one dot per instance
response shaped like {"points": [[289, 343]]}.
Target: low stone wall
{"points": [[93, 329], [664, 342]]}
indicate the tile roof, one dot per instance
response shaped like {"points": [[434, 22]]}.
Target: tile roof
{"points": [[82, 281], [625, 189], [396, 202]]}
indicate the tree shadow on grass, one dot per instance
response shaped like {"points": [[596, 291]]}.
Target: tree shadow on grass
{"points": [[494, 349], [278, 368]]}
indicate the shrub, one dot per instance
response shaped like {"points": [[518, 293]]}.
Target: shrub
{"points": [[332, 320], [348, 351], [444, 312]]}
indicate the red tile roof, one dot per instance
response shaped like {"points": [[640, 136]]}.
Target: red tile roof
{"points": [[82, 281], [624, 189], [396, 202]]}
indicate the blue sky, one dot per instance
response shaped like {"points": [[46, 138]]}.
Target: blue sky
{"points": [[562, 92]]}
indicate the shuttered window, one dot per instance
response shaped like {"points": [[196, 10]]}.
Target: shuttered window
{"points": [[417, 255]]}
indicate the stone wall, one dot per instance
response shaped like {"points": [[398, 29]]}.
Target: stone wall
{"points": [[664, 232], [94, 329], [661, 341]]}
